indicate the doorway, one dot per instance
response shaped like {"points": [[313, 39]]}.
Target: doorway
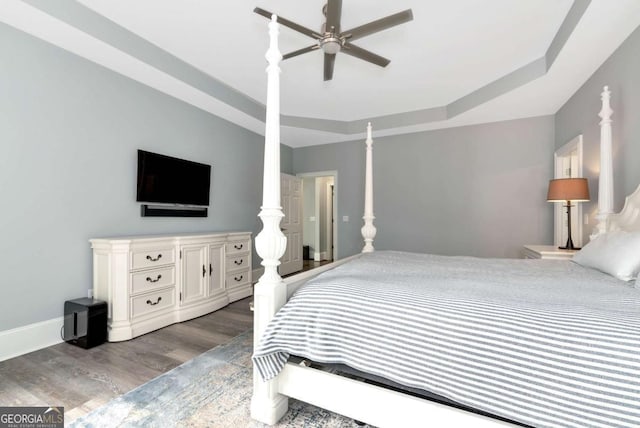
{"points": [[319, 213]]}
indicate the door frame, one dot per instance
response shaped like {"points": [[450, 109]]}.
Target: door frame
{"points": [[331, 220], [559, 213], [334, 174]]}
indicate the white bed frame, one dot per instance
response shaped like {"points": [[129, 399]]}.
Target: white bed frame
{"points": [[364, 402]]}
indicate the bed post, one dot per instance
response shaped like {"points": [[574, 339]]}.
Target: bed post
{"points": [[270, 293], [368, 230], [605, 183]]}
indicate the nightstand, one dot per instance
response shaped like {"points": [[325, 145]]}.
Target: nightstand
{"points": [[550, 252]]}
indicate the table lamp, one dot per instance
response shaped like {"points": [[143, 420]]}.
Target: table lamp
{"points": [[568, 190]]}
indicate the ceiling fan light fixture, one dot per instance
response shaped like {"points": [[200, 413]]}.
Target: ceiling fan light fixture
{"points": [[331, 45]]}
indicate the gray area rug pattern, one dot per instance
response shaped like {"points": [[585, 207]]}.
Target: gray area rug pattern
{"points": [[211, 390]]}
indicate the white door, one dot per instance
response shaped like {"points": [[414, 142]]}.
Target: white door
{"points": [[216, 270], [194, 273], [291, 224]]}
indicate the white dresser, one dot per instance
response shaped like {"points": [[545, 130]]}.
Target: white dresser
{"points": [[150, 282]]}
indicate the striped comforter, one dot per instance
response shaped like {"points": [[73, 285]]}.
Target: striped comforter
{"points": [[547, 343]]}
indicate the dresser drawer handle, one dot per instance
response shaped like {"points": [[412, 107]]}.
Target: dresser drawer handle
{"points": [[149, 302], [154, 259], [238, 278], [154, 280], [238, 246], [238, 263]]}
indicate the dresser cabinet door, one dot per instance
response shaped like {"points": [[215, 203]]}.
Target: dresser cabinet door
{"points": [[216, 270], [195, 273]]}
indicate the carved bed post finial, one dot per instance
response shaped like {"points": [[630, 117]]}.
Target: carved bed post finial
{"points": [[605, 184], [368, 230], [270, 292]]}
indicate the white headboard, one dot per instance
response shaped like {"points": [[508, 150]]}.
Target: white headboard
{"points": [[629, 218]]}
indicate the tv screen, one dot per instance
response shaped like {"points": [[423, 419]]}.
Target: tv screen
{"points": [[165, 179]]}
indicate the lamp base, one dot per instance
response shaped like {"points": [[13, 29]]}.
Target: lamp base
{"points": [[569, 248], [569, 244]]}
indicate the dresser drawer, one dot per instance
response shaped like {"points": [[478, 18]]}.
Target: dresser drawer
{"points": [[236, 279], [237, 247], [237, 262], [152, 302], [153, 279], [141, 259]]}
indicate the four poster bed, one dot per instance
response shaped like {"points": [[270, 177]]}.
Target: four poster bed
{"points": [[540, 343]]}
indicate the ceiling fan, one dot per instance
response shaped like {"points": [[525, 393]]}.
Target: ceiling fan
{"points": [[332, 40]]}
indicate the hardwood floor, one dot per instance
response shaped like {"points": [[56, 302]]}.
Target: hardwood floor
{"points": [[84, 379], [81, 380], [312, 264]]}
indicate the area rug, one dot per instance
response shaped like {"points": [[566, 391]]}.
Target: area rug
{"points": [[211, 390]]}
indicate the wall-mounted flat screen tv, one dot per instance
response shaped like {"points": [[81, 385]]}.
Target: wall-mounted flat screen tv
{"points": [[165, 179]]}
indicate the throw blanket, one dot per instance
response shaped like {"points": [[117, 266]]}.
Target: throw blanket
{"points": [[546, 343]]}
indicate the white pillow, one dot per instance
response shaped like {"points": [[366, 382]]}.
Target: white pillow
{"points": [[616, 253]]}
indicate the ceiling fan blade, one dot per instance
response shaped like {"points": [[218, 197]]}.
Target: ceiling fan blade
{"points": [[299, 28], [334, 10], [329, 62], [301, 51], [378, 25], [353, 50]]}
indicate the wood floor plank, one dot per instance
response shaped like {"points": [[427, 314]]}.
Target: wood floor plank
{"points": [[11, 391]]}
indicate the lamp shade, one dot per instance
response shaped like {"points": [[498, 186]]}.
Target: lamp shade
{"points": [[568, 189]]}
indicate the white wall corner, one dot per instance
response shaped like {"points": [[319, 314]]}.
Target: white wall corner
{"points": [[29, 338]]}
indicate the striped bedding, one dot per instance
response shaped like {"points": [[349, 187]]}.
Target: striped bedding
{"points": [[543, 342]]}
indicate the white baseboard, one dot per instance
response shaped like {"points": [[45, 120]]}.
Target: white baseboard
{"points": [[319, 256], [256, 274], [29, 338]]}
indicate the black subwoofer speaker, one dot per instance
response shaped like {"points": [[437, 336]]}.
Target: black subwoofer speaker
{"points": [[85, 322]]}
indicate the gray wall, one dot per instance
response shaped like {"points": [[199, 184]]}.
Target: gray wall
{"points": [[579, 115], [69, 130], [286, 158], [348, 160], [475, 190]]}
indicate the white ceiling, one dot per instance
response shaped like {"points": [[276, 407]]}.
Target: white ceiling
{"points": [[450, 49]]}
